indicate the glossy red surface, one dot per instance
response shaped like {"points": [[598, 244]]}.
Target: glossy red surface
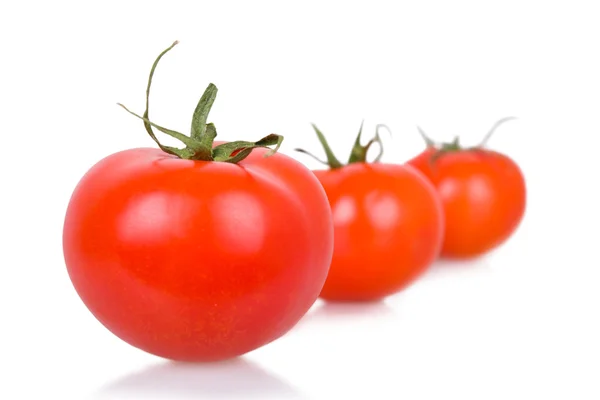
{"points": [[388, 229], [484, 198], [197, 260]]}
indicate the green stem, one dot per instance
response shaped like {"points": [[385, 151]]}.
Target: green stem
{"points": [[428, 141], [312, 156], [442, 149], [378, 137], [174, 134], [332, 161], [358, 153], [199, 131], [492, 130], [454, 145], [199, 145], [234, 152], [167, 149]]}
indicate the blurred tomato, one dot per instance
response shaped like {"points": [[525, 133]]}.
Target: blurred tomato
{"points": [[388, 225], [483, 194]]}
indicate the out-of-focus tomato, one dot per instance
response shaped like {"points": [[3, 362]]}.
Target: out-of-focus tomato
{"points": [[388, 225], [483, 193]]}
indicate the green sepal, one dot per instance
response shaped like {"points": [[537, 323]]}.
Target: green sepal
{"points": [[332, 160], [448, 147], [200, 132], [234, 152], [189, 142], [358, 153], [199, 145], [428, 141]]}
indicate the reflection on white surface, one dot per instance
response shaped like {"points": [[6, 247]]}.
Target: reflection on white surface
{"points": [[234, 379], [443, 269], [330, 311], [451, 266]]}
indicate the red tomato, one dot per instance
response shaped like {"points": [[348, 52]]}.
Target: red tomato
{"points": [[483, 193], [198, 260], [388, 226]]}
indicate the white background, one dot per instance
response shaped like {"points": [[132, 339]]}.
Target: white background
{"points": [[520, 323]]}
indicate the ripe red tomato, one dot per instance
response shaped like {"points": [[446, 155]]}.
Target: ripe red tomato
{"points": [[193, 259], [483, 193], [388, 225]]}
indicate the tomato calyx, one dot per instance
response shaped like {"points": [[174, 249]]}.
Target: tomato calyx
{"points": [[358, 153], [442, 148], [199, 144]]}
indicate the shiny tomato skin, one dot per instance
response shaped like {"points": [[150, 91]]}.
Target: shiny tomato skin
{"points": [[198, 261], [484, 198], [388, 226]]}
